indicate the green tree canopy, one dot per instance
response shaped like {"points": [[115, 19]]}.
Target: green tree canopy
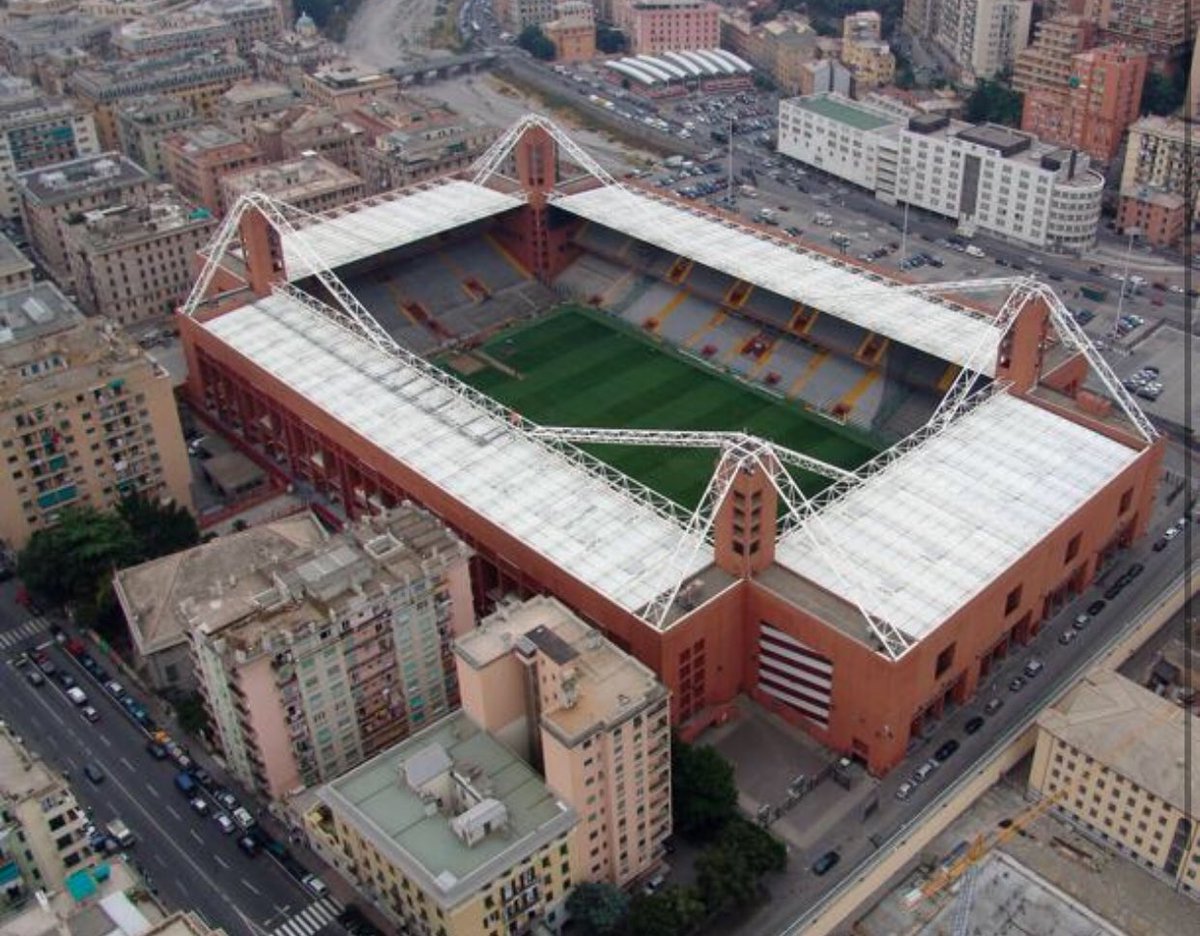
{"points": [[704, 795], [730, 869], [1163, 95], [610, 40], [598, 908], [534, 41], [66, 562], [994, 102], [158, 529], [672, 911]]}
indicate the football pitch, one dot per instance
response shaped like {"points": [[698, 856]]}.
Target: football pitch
{"points": [[575, 369]]}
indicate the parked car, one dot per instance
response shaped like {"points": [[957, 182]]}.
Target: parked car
{"points": [[35, 677], [904, 791], [226, 799], [1016, 684], [1033, 667], [248, 845], [993, 706], [319, 888], [93, 773], [1095, 607], [156, 750], [1081, 620], [115, 689], [826, 863], [946, 751], [89, 713], [1067, 636], [225, 824], [973, 724], [243, 817]]}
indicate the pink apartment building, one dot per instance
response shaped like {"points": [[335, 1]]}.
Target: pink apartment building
{"points": [[669, 25]]}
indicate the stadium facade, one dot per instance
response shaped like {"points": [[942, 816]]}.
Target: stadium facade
{"points": [[1020, 466]]}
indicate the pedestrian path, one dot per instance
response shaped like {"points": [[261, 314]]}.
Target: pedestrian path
{"points": [[30, 628], [312, 919]]}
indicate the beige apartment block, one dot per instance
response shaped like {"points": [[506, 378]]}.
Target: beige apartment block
{"points": [[311, 183], [345, 85], [49, 196], [1109, 755], [144, 122], [316, 129], [450, 834], [591, 717], [124, 9], [133, 261], [169, 33], [24, 43], [198, 158], [1046, 62], [199, 78], [37, 130], [85, 417], [291, 55], [248, 103], [41, 825], [251, 20], [313, 661], [781, 47], [16, 270], [1159, 155]]}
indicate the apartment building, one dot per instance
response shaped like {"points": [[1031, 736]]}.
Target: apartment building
{"points": [[345, 85], [1047, 61], [133, 261], [16, 272], [1158, 26], [405, 141], [124, 10], [669, 25], [518, 14], [573, 31], [311, 182], [450, 834], [198, 158], [251, 20], [171, 33], [990, 178], [41, 825], [312, 661], [780, 47], [18, 9], [49, 196], [1193, 93], [980, 37], [1159, 156], [248, 103], [37, 130], [1160, 218], [25, 42], [85, 416], [288, 57], [865, 53], [1108, 755], [590, 717], [825, 76], [1092, 109], [314, 129], [199, 78], [144, 122]]}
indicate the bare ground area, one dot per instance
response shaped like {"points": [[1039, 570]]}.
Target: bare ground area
{"points": [[384, 33]]}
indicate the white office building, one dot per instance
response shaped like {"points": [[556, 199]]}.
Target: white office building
{"points": [[991, 179]]}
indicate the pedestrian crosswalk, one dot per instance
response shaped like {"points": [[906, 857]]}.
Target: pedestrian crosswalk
{"points": [[30, 628], [312, 919]]}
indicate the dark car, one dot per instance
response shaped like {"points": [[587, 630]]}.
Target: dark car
{"points": [[1135, 570], [1161, 544], [1095, 608], [1114, 589], [826, 863], [973, 724], [946, 751], [203, 777], [247, 844], [156, 750], [88, 662], [66, 680], [93, 773]]}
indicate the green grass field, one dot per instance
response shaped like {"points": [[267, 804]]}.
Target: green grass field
{"points": [[575, 369]]}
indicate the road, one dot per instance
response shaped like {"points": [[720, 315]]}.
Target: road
{"points": [[855, 839], [183, 855]]}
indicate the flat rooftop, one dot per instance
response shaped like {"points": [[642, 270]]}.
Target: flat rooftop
{"points": [[1106, 705], [405, 217], [67, 181], [938, 327], [379, 804], [616, 540], [21, 774], [11, 259], [33, 312], [611, 685], [843, 111], [922, 536]]}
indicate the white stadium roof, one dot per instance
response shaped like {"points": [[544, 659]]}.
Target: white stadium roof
{"points": [[632, 71], [948, 333], [372, 229], [935, 527], [678, 66], [604, 537]]}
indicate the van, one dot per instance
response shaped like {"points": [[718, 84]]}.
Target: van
{"points": [[77, 695], [972, 251], [186, 784]]}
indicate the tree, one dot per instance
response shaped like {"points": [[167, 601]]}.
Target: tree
{"points": [[609, 40], [158, 529], [534, 41], [729, 870], [994, 102], [65, 562], [704, 795], [598, 908], [754, 846], [1163, 95], [672, 911]]}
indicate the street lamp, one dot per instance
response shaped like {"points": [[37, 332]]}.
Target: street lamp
{"points": [[1133, 232]]}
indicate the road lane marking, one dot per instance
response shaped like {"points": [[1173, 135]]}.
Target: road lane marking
{"points": [[178, 818], [160, 859], [153, 792], [196, 836], [107, 743], [219, 860], [128, 766], [250, 887]]}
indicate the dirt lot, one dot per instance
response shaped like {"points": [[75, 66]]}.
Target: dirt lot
{"points": [[389, 32]]}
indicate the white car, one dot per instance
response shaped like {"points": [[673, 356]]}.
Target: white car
{"points": [[904, 791], [1170, 533], [225, 824], [315, 885]]}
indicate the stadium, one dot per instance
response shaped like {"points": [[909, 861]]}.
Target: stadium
{"points": [[760, 468]]}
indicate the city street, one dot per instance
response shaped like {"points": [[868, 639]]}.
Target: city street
{"points": [[185, 856]]}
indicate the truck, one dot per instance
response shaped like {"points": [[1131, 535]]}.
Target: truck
{"points": [[1095, 293], [120, 833]]}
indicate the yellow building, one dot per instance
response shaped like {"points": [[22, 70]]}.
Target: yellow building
{"points": [[1109, 755], [85, 416], [593, 718], [450, 834]]}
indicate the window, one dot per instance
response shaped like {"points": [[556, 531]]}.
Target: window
{"points": [[1126, 500], [1073, 547], [945, 660], [1013, 601]]}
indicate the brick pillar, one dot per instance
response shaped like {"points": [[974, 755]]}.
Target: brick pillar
{"points": [[1020, 356], [745, 526], [536, 156], [257, 243]]}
